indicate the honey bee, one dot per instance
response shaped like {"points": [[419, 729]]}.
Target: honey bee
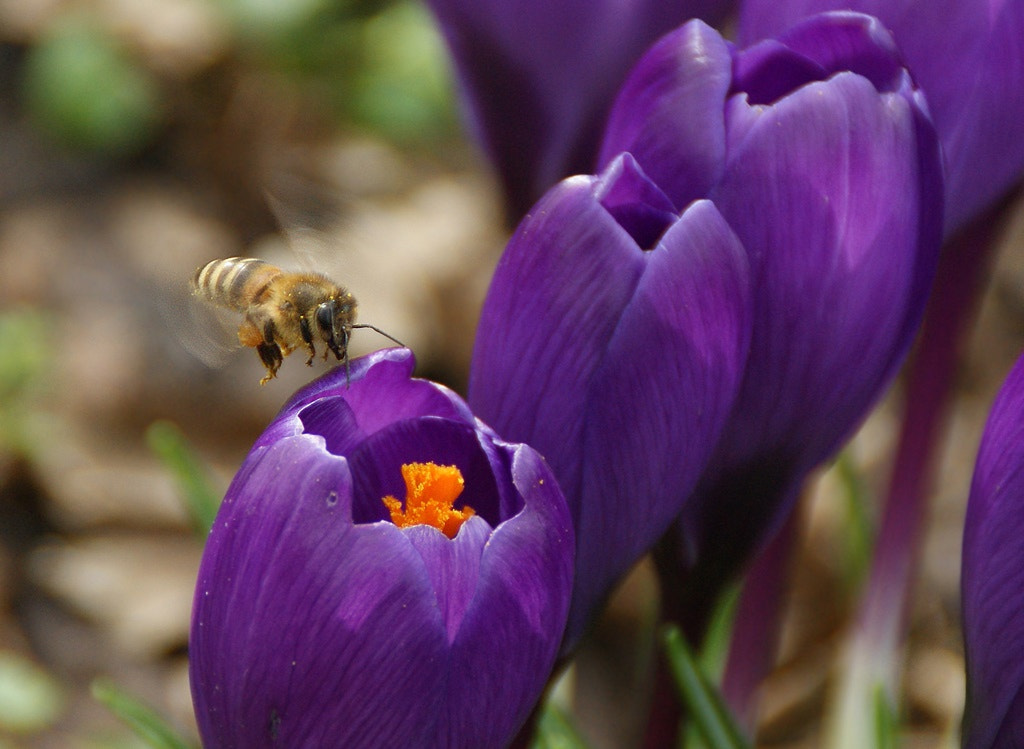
{"points": [[282, 311]]}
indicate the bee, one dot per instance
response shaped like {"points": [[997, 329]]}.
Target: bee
{"points": [[282, 311]]}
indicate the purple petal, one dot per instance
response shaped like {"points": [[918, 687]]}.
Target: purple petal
{"points": [[815, 50], [835, 193], [968, 57], [298, 613], [333, 419], [992, 578], [554, 303], [831, 198], [379, 390], [836, 43], [771, 70], [512, 628], [453, 566], [660, 398], [668, 114], [392, 364], [387, 394]]}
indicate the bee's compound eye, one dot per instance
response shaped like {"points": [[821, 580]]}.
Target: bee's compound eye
{"points": [[325, 317]]}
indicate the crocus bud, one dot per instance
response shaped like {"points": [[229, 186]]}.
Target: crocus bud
{"points": [[613, 338], [992, 578], [537, 77], [818, 152], [967, 57], [384, 571]]}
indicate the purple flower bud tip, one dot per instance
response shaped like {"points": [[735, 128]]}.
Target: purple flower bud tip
{"points": [[344, 600], [966, 55], [636, 203]]}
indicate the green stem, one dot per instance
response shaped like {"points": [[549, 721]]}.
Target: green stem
{"points": [[202, 502], [142, 719], [704, 704]]}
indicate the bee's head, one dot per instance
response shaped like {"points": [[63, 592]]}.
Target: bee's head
{"points": [[334, 321]]}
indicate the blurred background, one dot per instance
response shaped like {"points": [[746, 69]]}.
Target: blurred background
{"points": [[140, 139]]}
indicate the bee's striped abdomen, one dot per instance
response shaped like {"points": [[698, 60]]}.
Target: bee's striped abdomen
{"points": [[234, 282]]}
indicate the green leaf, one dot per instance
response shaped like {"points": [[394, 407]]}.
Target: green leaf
{"points": [[704, 704], [141, 718], [556, 731], [886, 725], [859, 537], [170, 445], [715, 650]]}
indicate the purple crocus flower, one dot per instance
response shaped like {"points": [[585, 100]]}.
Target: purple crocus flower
{"points": [[818, 151], [330, 613], [968, 58], [614, 334], [992, 578], [538, 76]]}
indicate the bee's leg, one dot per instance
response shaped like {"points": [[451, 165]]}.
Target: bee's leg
{"points": [[269, 331], [270, 355], [307, 336], [249, 334]]}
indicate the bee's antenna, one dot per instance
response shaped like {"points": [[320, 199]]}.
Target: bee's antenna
{"points": [[348, 366], [381, 332]]}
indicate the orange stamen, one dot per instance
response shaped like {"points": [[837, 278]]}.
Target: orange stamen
{"points": [[430, 492]]}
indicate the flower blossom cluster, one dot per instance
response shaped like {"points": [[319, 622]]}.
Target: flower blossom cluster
{"points": [[676, 335]]}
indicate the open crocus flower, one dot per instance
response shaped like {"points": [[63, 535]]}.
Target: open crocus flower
{"points": [[818, 151], [992, 578], [613, 338], [968, 58], [537, 76], [384, 571]]}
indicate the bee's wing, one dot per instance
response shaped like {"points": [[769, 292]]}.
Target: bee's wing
{"points": [[309, 214], [301, 206], [209, 333], [341, 253], [397, 249], [308, 209]]}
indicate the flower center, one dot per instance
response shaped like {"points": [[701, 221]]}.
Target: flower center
{"points": [[430, 491]]}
